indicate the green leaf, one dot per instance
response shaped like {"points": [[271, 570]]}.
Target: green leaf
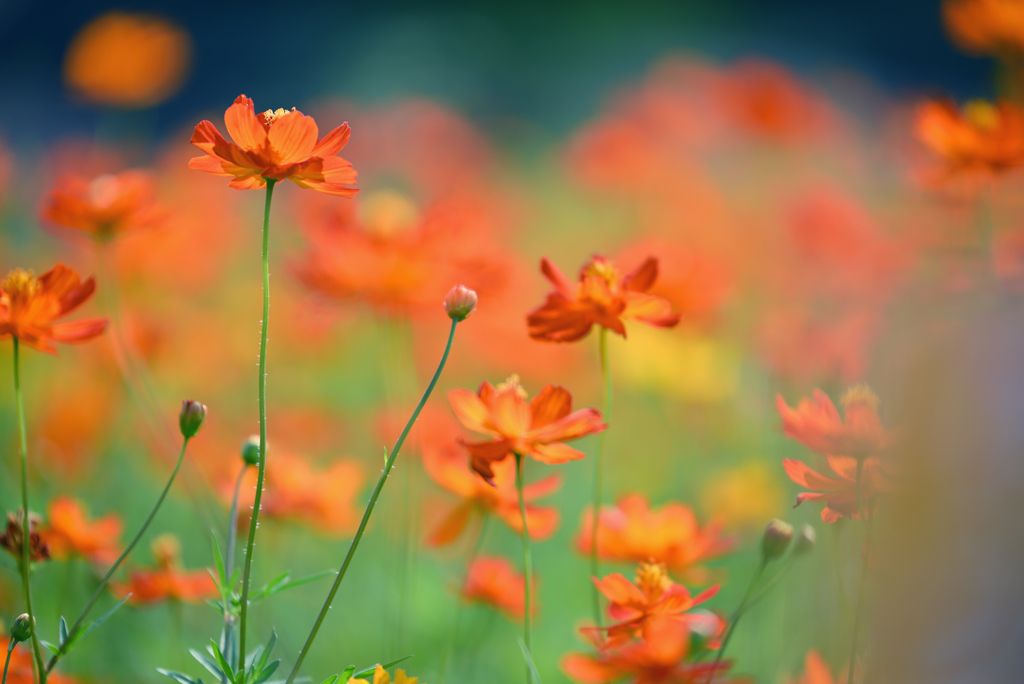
{"points": [[265, 673], [529, 660], [271, 642], [52, 647], [281, 584], [369, 670], [62, 631], [178, 676], [99, 621], [209, 663], [218, 559], [347, 673], [225, 668], [334, 678]]}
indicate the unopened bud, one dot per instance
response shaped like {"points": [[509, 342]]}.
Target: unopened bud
{"points": [[251, 450], [460, 302], [804, 540], [21, 628], [777, 537], [191, 418]]}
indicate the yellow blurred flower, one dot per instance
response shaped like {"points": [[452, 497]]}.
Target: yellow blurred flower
{"points": [[381, 676], [128, 60], [747, 495], [688, 365]]}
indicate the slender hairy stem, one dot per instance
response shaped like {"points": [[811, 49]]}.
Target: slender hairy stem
{"points": [[863, 573], [595, 568], [124, 554], [254, 520], [10, 649], [474, 551], [369, 506], [25, 567], [229, 559], [734, 620], [527, 566]]}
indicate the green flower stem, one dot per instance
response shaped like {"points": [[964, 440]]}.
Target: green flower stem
{"points": [[10, 649], [25, 566], [858, 610], [254, 520], [369, 507], [229, 559], [124, 554], [595, 568], [527, 566], [735, 619]]}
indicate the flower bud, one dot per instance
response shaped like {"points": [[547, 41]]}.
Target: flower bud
{"points": [[21, 628], [460, 302], [804, 540], [777, 537], [251, 450], [191, 418]]}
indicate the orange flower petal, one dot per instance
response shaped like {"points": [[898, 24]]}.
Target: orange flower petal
{"points": [[243, 126], [292, 138]]}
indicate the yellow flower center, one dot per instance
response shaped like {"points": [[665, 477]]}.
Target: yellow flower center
{"points": [[982, 114], [20, 282], [272, 115], [859, 396], [166, 551], [604, 269], [512, 384], [652, 579]]}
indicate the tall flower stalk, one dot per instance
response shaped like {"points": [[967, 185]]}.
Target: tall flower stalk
{"points": [[262, 465], [859, 606], [595, 569], [527, 569]]}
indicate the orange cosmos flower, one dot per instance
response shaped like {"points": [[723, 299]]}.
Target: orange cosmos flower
{"points": [[449, 470], [635, 607], [168, 580], [816, 424], [277, 145], [659, 659], [29, 306], [381, 676], [630, 531], [984, 138], [988, 27], [816, 671], [104, 206], [602, 297], [69, 532], [535, 428], [838, 493], [128, 60], [494, 582]]}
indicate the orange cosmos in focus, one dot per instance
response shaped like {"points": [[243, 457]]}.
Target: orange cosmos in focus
{"points": [[602, 297], [658, 659], [984, 138], [105, 206], [816, 424], [535, 428], [838, 493], [494, 582], [69, 531], [275, 145], [29, 306], [988, 27], [168, 580], [128, 60], [500, 498], [630, 531], [635, 606]]}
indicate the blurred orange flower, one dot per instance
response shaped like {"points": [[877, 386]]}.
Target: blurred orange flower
{"points": [[816, 424], [990, 27], [449, 470], [381, 676], [602, 297], [493, 581], [630, 531], [29, 306], [295, 490], [128, 60], [275, 144], [658, 659], [838, 493], [104, 206], [816, 671], [984, 138], [20, 670], [535, 428], [68, 532], [168, 580], [635, 606]]}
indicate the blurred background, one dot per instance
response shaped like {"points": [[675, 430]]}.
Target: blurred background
{"points": [[765, 153]]}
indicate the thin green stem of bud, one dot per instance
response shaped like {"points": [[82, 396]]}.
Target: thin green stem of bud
{"points": [[595, 568], [527, 566], [859, 609], [369, 507], [254, 520], [7, 662], [734, 620]]}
